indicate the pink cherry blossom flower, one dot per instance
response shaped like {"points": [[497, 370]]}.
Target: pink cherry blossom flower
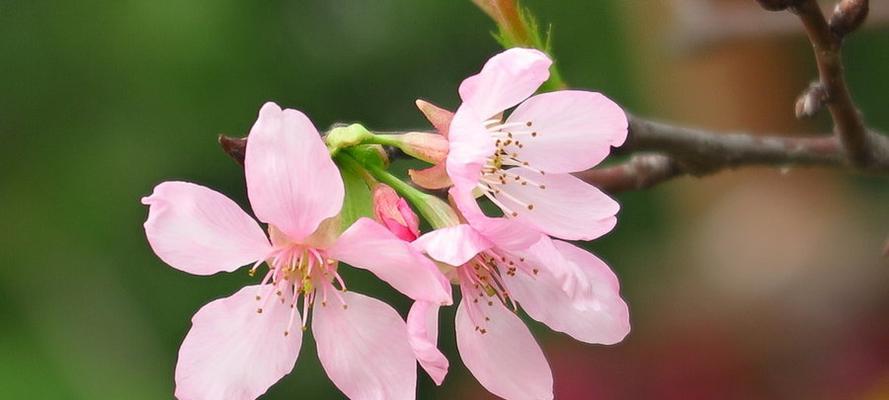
{"points": [[500, 264], [239, 346], [523, 164], [395, 214]]}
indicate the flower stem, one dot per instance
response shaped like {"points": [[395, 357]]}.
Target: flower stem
{"points": [[434, 210], [348, 162]]}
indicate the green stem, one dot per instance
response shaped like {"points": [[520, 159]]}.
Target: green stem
{"points": [[434, 210], [385, 140], [348, 162]]}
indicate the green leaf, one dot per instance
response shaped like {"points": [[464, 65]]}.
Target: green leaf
{"points": [[359, 201]]}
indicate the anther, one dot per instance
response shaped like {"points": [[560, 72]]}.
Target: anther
{"points": [[259, 311]]}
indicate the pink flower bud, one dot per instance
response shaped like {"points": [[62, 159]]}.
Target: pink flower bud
{"points": [[429, 147], [395, 214]]}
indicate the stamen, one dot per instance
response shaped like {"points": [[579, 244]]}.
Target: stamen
{"points": [[515, 200], [307, 299], [506, 210]]}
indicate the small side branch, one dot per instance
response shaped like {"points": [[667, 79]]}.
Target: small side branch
{"points": [[827, 40]]}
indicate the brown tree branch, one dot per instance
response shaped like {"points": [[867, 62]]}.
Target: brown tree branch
{"points": [[641, 171], [670, 151], [694, 152], [827, 42]]}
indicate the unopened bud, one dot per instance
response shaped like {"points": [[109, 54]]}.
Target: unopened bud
{"points": [[811, 101], [429, 147], [848, 15], [437, 116], [395, 214]]}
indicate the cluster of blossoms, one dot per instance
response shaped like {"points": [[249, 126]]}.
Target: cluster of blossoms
{"points": [[316, 218]]}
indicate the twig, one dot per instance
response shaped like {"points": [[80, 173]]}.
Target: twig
{"points": [[683, 151], [827, 42]]}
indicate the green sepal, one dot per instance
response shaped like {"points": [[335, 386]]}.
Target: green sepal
{"points": [[346, 136], [358, 201], [370, 155]]}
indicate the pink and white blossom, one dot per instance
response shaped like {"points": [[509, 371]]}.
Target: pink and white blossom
{"points": [[523, 163], [499, 265], [240, 345]]}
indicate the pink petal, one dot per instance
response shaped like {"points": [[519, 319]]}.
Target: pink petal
{"points": [[567, 208], [470, 145], [291, 180], [369, 245], [200, 231], [571, 278], [364, 348], [505, 359], [454, 245], [509, 234], [572, 130], [233, 352], [505, 80], [604, 319], [434, 177], [422, 330]]}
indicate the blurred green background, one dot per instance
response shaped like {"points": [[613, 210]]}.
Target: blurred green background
{"points": [[101, 100]]}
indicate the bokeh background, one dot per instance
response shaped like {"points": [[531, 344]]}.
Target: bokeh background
{"points": [[762, 283]]}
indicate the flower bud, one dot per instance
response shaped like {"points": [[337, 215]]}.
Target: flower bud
{"points": [[394, 213], [811, 101], [429, 147], [848, 15]]}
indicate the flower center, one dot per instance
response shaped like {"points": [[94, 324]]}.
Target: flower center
{"points": [[298, 271], [497, 171], [482, 282]]}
